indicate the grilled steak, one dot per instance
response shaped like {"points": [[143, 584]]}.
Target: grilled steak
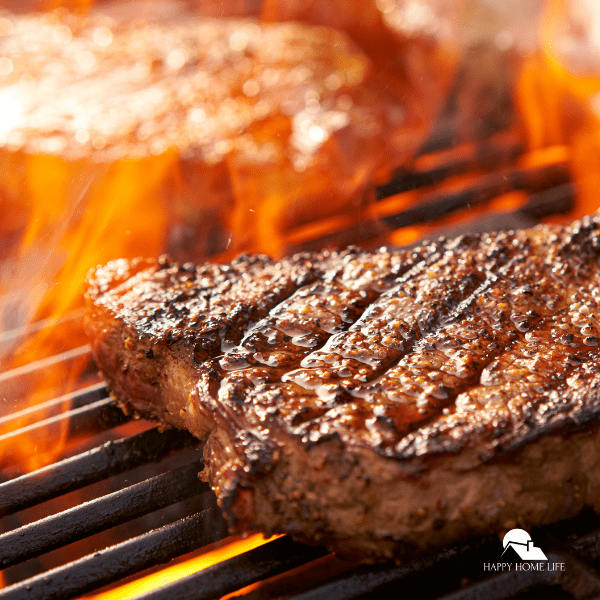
{"points": [[378, 403]]}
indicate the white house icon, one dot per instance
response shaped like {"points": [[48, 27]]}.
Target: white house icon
{"points": [[520, 541]]}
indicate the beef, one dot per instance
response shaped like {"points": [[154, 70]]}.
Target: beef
{"points": [[379, 403], [222, 133]]}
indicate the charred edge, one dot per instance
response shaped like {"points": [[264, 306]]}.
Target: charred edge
{"points": [[237, 503], [208, 334], [584, 236], [561, 417], [237, 497], [260, 456]]}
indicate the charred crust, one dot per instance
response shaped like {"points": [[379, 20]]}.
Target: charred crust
{"points": [[388, 368], [210, 380], [312, 440], [237, 502], [260, 456]]}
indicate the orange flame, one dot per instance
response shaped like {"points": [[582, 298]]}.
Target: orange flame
{"points": [[80, 215], [66, 216], [175, 572], [557, 106]]}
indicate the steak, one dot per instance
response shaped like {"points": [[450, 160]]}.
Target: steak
{"points": [[378, 403]]}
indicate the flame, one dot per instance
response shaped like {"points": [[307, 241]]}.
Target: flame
{"points": [[80, 215], [559, 105], [243, 190], [175, 572]]}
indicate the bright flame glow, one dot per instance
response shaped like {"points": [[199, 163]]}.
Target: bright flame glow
{"points": [[78, 216], [558, 103], [11, 111], [175, 572]]}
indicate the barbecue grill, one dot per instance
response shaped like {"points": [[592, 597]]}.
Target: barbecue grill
{"points": [[142, 484]]}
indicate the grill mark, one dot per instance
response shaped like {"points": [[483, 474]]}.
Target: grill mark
{"points": [[319, 380], [255, 360], [244, 315], [287, 400], [536, 391], [393, 393], [423, 344], [450, 374], [416, 400], [499, 425], [235, 386], [210, 307], [293, 335], [327, 355], [315, 426], [284, 336]]}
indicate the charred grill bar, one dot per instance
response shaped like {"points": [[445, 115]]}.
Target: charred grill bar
{"points": [[104, 461], [492, 168], [436, 574], [100, 514], [456, 571], [112, 564]]}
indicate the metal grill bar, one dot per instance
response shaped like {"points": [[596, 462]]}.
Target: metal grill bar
{"points": [[230, 575], [45, 363], [102, 462], [94, 516], [485, 157], [112, 564], [77, 399], [484, 189], [91, 419], [588, 546], [440, 204], [22, 331], [554, 200], [367, 579], [577, 579]]}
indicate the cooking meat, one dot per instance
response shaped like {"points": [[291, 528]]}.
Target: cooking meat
{"points": [[379, 403], [249, 126]]}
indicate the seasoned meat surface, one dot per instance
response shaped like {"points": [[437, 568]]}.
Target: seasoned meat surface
{"points": [[379, 403]]}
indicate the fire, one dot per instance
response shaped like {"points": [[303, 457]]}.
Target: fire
{"points": [[187, 567], [79, 216], [559, 100], [109, 148]]}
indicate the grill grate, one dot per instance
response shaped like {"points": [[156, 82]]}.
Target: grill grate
{"points": [[446, 184], [104, 461], [116, 562], [455, 573]]}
